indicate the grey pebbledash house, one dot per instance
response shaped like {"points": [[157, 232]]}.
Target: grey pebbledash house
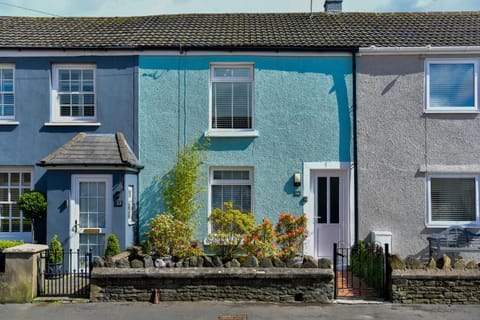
{"points": [[361, 109]]}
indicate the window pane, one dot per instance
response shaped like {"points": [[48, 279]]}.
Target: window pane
{"points": [[7, 86], [64, 86], [75, 74], [26, 179], [7, 74], [27, 225], [64, 75], [232, 105], [4, 210], [88, 75], [453, 199], [15, 179], [239, 195], [3, 179], [4, 225], [231, 175], [452, 85], [322, 200], [15, 211], [3, 194], [334, 200], [8, 111], [15, 225]]}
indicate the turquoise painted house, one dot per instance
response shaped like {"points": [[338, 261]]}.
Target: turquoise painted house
{"points": [[279, 126]]}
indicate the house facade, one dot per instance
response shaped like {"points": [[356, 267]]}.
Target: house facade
{"points": [[267, 117], [363, 121], [48, 97]]}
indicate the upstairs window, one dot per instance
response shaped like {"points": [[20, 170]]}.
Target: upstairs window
{"points": [[73, 93], [231, 97], [7, 92], [451, 86]]}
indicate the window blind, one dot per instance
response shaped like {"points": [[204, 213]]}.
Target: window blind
{"points": [[452, 85], [453, 199]]}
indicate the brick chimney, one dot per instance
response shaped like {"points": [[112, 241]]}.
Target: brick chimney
{"points": [[332, 6]]}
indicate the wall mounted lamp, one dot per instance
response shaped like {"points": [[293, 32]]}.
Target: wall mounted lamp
{"points": [[297, 179]]}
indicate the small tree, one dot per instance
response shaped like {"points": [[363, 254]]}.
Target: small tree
{"points": [[230, 228], [34, 206], [55, 252], [113, 247], [291, 234], [180, 186]]}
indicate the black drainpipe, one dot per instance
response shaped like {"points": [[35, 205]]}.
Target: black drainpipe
{"points": [[355, 149]]}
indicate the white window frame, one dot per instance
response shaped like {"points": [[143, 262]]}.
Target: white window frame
{"points": [[449, 109], [8, 119], [130, 204], [444, 224], [212, 182], [231, 132], [17, 235], [55, 103]]}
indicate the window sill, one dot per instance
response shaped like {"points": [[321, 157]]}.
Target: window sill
{"points": [[9, 123], [72, 124], [451, 111], [231, 134], [447, 225]]}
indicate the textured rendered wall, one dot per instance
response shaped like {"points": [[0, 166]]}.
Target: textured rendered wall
{"points": [[301, 111], [395, 138]]}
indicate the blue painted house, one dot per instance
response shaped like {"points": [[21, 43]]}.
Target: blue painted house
{"points": [[68, 129]]}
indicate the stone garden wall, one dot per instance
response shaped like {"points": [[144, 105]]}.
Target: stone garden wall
{"points": [[436, 286], [308, 285]]}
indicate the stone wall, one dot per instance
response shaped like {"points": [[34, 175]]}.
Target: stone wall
{"points": [[193, 284], [19, 281], [436, 286]]}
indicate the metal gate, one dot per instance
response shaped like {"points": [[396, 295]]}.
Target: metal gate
{"points": [[362, 271], [70, 278]]}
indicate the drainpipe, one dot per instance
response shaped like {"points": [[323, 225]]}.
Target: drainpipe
{"points": [[355, 149]]}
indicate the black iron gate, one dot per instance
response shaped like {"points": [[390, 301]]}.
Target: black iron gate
{"points": [[68, 278], [362, 271]]}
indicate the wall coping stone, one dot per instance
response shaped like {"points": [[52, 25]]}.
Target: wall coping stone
{"points": [[26, 248], [211, 273], [452, 274]]}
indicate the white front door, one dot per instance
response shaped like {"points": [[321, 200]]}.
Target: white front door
{"points": [[91, 210], [330, 191]]}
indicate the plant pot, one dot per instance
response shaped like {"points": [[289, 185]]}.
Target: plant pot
{"points": [[54, 270]]}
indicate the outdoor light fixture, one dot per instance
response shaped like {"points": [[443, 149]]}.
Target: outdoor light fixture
{"points": [[117, 201], [297, 180]]}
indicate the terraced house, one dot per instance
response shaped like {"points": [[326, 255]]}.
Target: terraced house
{"points": [[95, 109]]}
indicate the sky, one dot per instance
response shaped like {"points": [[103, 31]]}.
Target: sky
{"points": [[45, 8]]}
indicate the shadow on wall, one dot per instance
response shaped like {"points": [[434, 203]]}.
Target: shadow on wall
{"points": [[151, 204]]}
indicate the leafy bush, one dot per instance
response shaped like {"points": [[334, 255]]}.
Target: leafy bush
{"points": [[55, 252], [169, 236], [230, 227], [4, 244], [260, 241], [291, 234], [33, 204], [180, 184], [367, 263], [113, 247]]}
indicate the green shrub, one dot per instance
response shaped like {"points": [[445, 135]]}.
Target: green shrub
{"points": [[367, 263], [55, 252], [180, 185], [113, 247], [169, 236], [4, 244], [230, 228]]}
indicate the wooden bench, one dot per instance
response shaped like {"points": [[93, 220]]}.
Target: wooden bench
{"points": [[454, 240]]}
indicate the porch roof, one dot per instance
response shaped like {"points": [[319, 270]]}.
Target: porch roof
{"points": [[93, 150]]}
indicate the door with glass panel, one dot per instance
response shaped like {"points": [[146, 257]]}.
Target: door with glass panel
{"points": [[331, 207], [90, 215]]}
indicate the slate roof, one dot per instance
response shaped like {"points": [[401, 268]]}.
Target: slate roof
{"points": [[93, 150], [244, 31]]}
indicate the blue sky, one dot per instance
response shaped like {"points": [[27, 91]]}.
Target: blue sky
{"points": [[151, 7]]}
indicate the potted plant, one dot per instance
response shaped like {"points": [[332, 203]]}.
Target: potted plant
{"points": [[55, 258], [34, 206]]}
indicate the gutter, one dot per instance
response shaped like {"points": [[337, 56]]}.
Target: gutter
{"points": [[373, 50]]}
